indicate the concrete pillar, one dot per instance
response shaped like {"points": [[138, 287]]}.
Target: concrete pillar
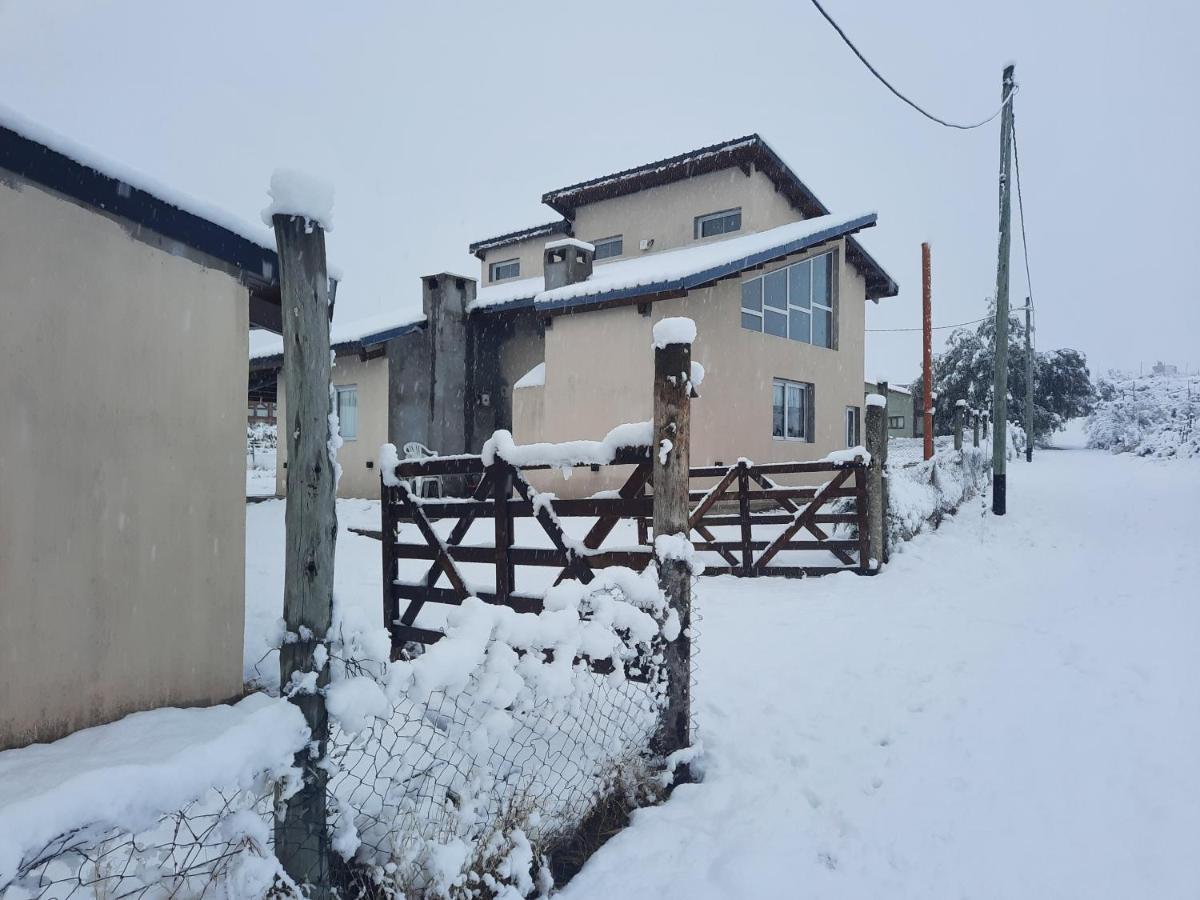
{"points": [[876, 429]]}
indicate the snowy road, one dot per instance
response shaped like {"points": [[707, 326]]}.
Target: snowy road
{"points": [[1010, 711]]}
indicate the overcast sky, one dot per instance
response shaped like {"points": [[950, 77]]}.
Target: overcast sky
{"points": [[445, 123]]}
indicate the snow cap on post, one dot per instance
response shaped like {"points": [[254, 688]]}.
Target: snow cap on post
{"points": [[674, 330], [960, 402], [295, 193], [876, 400]]}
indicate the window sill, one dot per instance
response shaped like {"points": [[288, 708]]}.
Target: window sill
{"points": [[791, 440]]}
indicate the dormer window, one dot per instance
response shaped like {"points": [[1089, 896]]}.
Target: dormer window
{"points": [[723, 222], [609, 246], [509, 268]]}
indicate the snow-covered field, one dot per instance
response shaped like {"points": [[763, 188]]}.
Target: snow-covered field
{"points": [[1008, 711]]}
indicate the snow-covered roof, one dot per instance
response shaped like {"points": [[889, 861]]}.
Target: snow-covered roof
{"points": [[535, 377], [363, 332], [479, 248], [57, 162], [684, 268], [892, 388]]}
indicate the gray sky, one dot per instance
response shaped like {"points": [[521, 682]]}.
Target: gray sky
{"points": [[445, 123]]}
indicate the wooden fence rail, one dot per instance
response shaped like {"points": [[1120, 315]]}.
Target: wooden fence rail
{"points": [[745, 496]]}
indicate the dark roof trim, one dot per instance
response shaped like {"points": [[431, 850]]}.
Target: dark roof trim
{"points": [[358, 345], [703, 278], [90, 187], [743, 152], [558, 227]]}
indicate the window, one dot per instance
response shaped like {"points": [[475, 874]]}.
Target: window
{"points": [[347, 411], [895, 421], [609, 246], [794, 302], [509, 268], [852, 439], [791, 410], [719, 223]]}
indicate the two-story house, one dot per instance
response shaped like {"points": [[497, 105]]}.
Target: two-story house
{"points": [[554, 341]]}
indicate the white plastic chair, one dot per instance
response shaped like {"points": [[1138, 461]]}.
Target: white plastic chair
{"points": [[423, 485]]}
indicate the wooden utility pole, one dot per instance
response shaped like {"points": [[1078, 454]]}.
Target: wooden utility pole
{"points": [[927, 350], [1000, 377], [1028, 384], [301, 835], [672, 436], [960, 409]]}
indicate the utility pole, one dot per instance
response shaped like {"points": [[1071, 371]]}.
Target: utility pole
{"points": [[1028, 385], [1000, 380], [927, 351]]}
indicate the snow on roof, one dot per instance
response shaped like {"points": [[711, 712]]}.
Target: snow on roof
{"points": [[367, 330], [892, 388], [560, 226], [535, 377], [571, 242], [679, 269], [256, 234]]}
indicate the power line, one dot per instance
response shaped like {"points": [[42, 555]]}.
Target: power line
{"points": [[935, 327], [888, 85], [1021, 211]]}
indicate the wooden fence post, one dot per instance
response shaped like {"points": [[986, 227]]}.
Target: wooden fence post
{"points": [[301, 835], [671, 460], [975, 429], [885, 548], [960, 408], [876, 431]]}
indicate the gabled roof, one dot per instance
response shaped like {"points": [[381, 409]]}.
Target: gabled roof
{"points": [[671, 271], [55, 162], [479, 248], [743, 152]]}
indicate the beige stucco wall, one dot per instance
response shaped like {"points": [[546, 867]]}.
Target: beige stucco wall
{"points": [[357, 480], [599, 369], [122, 511], [666, 213]]}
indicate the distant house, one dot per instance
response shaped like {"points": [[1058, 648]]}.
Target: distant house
{"points": [[555, 344], [124, 313], [901, 420]]}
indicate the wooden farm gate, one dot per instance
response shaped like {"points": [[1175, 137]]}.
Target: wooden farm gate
{"points": [[745, 496]]}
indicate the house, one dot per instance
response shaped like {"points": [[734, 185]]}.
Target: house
{"points": [[125, 311], [901, 420], [553, 340]]}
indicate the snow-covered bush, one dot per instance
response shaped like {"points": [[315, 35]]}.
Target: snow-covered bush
{"points": [[1152, 415], [455, 772], [922, 492]]}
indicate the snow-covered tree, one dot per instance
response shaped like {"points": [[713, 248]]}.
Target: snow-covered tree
{"points": [[1062, 382]]}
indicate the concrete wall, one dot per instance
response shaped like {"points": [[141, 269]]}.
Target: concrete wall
{"points": [[667, 214], [599, 367], [371, 379], [122, 513]]}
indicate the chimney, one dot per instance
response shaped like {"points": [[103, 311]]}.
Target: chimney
{"points": [[567, 261]]}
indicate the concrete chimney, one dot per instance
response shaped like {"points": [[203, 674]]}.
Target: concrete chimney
{"points": [[567, 261]]}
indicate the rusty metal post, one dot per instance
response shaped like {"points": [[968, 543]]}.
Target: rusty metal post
{"points": [[927, 349]]}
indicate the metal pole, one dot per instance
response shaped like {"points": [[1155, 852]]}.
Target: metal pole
{"points": [[1028, 385], [1000, 380], [927, 351]]}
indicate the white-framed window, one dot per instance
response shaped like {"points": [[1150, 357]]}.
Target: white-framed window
{"points": [[794, 302], [723, 222], [791, 410], [609, 246], [347, 410], [505, 268], [852, 439], [895, 421]]}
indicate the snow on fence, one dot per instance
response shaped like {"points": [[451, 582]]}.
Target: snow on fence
{"points": [[922, 492]]}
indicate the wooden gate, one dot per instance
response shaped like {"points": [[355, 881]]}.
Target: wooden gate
{"points": [[745, 497]]}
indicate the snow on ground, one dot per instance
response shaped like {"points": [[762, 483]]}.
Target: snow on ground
{"points": [[127, 773], [1008, 711]]}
